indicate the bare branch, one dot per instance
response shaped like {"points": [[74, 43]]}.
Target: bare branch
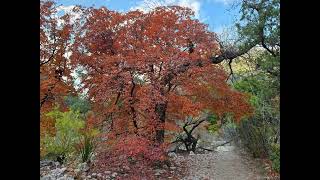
{"points": [[52, 54], [230, 53], [231, 71]]}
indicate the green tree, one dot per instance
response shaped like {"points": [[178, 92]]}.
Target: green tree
{"points": [[259, 25], [78, 104]]}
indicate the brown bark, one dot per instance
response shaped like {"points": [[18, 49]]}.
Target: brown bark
{"points": [[161, 113]]}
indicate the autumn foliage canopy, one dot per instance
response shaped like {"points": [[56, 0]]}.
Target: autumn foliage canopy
{"points": [[146, 69]]}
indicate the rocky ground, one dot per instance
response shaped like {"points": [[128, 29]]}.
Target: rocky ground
{"points": [[50, 170], [226, 162]]}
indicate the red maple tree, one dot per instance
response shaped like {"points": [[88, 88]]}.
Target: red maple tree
{"points": [[55, 39], [146, 69]]}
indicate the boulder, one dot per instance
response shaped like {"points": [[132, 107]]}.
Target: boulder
{"points": [[94, 174], [107, 172], [65, 177], [83, 167], [46, 163], [172, 155], [77, 171], [114, 174], [127, 168]]}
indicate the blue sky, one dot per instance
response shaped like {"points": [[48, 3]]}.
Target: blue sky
{"points": [[216, 13]]}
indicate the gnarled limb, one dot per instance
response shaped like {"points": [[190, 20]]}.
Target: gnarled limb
{"points": [[189, 141]]}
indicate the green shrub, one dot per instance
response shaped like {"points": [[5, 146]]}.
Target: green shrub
{"points": [[275, 157], [254, 137], [229, 130], [87, 145], [68, 124], [212, 119], [260, 131], [213, 128]]}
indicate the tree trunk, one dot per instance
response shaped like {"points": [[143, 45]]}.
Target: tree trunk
{"points": [[190, 143], [161, 113]]}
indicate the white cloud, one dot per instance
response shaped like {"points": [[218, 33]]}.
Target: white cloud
{"points": [[192, 4], [225, 2], [66, 9], [147, 5]]}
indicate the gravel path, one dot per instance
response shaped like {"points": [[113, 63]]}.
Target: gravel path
{"points": [[226, 163]]}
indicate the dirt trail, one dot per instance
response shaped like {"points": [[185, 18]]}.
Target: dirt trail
{"points": [[226, 163]]}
